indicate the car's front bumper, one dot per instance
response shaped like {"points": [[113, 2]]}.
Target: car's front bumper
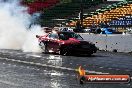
{"points": [[83, 49]]}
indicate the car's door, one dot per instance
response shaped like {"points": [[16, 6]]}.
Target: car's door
{"points": [[53, 44]]}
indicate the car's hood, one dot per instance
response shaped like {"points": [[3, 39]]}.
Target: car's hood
{"points": [[76, 41]]}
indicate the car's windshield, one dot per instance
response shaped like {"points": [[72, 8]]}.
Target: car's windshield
{"points": [[67, 35]]}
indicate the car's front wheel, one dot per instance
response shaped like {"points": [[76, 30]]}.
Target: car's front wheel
{"points": [[65, 51]]}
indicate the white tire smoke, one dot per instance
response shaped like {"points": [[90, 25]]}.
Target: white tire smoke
{"points": [[14, 23]]}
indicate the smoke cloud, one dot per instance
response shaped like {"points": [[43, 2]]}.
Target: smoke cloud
{"points": [[14, 27]]}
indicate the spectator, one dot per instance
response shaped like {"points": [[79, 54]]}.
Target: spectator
{"points": [[101, 25], [93, 27], [106, 25], [78, 27]]}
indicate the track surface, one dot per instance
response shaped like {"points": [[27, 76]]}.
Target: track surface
{"points": [[36, 70]]}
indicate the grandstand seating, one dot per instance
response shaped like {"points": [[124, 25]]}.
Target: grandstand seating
{"points": [[107, 14], [65, 10], [123, 21]]}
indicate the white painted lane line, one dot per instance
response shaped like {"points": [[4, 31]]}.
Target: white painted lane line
{"points": [[9, 83], [34, 55], [51, 66], [95, 72]]}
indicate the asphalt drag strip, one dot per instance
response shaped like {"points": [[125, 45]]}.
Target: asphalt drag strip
{"points": [[100, 63], [37, 70]]}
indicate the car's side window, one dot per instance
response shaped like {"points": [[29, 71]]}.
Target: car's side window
{"points": [[53, 35], [49, 35], [63, 37]]}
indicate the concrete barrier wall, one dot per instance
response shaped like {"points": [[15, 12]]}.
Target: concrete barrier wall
{"points": [[119, 42]]}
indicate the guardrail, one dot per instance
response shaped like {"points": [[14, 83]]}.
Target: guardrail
{"points": [[111, 42]]}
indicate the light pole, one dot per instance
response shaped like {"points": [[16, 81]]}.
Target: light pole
{"points": [[81, 13]]}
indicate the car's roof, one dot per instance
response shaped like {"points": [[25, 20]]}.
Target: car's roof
{"points": [[58, 32], [66, 32]]}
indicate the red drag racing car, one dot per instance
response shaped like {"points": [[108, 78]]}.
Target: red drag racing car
{"points": [[65, 43]]}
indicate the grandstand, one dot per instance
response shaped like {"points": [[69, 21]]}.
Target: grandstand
{"points": [[58, 9], [64, 10], [94, 11], [117, 14], [126, 20]]}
